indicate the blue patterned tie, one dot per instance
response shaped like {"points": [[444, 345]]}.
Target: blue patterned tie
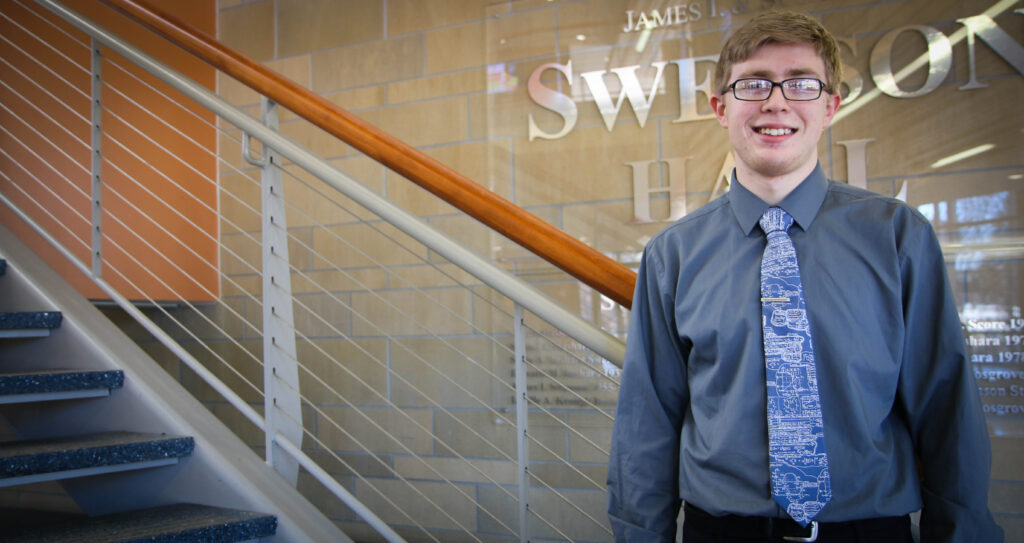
{"points": [[796, 439]]}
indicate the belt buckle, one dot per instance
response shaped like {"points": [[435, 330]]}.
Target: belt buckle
{"points": [[808, 539]]}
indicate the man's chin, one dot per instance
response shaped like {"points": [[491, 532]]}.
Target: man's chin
{"points": [[779, 166], [774, 170]]}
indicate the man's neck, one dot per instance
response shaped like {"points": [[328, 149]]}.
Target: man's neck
{"points": [[772, 190]]}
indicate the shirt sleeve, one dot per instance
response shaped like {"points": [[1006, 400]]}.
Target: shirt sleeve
{"points": [[643, 473], [941, 401]]}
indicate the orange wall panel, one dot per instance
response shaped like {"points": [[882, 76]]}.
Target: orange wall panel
{"points": [[160, 225]]}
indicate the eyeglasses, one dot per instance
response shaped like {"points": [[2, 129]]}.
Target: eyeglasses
{"points": [[797, 89]]}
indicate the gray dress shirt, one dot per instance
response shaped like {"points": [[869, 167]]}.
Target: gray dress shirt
{"points": [[892, 368]]}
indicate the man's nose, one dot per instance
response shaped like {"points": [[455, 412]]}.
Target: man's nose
{"points": [[776, 100]]}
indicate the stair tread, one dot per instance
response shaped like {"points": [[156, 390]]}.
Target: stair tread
{"points": [[20, 320], [35, 456], [178, 523], [36, 382]]}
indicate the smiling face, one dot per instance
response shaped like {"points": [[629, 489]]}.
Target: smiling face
{"points": [[775, 142]]}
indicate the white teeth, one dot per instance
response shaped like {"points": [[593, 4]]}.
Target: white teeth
{"points": [[775, 131]]}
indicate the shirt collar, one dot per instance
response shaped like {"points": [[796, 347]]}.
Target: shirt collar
{"points": [[802, 204]]}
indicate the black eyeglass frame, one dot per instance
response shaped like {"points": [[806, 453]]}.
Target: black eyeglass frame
{"points": [[781, 85]]}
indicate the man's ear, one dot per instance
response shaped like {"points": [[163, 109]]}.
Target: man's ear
{"points": [[717, 102], [831, 107]]}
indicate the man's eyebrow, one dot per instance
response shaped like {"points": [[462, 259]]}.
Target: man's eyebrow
{"points": [[789, 73]]}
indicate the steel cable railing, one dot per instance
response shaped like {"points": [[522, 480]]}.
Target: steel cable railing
{"points": [[199, 341], [536, 405], [60, 222], [46, 115], [448, 366], [71, 86], [182, 299], [426, 395], [390, 403], [546, 449], [170, 262], [44, 209], [40, 182], [566, 252], [173, 236], [595, 484], [351, 468], [324, 291], [199, 202], [439, 507], [317, 224], [299, 272], [438, 405]]}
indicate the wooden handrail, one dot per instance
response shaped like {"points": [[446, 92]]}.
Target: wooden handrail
{"points": [[571, 255]]}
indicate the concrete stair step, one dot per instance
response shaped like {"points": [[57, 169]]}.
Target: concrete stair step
{"points": [[39, 386], [26, 323], [178, 523], [50, 459], [17, 324]]}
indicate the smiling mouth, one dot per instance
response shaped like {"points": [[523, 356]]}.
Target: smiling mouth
{"points": [[774, 131]]}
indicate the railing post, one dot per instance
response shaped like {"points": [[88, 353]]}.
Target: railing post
{"points": [[283, 409], [97, 161], [522, 425]]}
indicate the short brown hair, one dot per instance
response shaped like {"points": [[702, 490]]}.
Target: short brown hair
{"points": [[779, 27]]}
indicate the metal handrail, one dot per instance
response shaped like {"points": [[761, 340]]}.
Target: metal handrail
{"points": [[529, 297], [581, 261]]}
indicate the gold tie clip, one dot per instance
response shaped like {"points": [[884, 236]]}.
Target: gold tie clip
{"points": [[776, 299]]}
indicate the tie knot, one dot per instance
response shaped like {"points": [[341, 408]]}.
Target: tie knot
{"points": [[775, 219]]}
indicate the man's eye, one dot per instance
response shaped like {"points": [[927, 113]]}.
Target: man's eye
{"points": [[803, 84]]}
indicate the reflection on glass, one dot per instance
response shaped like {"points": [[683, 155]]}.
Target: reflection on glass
{"points": [[984, 207], [935, 212], [501, 77], [957, 157]]}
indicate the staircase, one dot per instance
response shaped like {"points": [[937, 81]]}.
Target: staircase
{"points": [[136, 455], [89, 455]]}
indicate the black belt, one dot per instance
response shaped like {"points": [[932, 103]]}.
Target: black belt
{"points": [[736, 526]]}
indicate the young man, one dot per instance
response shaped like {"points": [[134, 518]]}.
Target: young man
{"points": [[782, 385]]}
